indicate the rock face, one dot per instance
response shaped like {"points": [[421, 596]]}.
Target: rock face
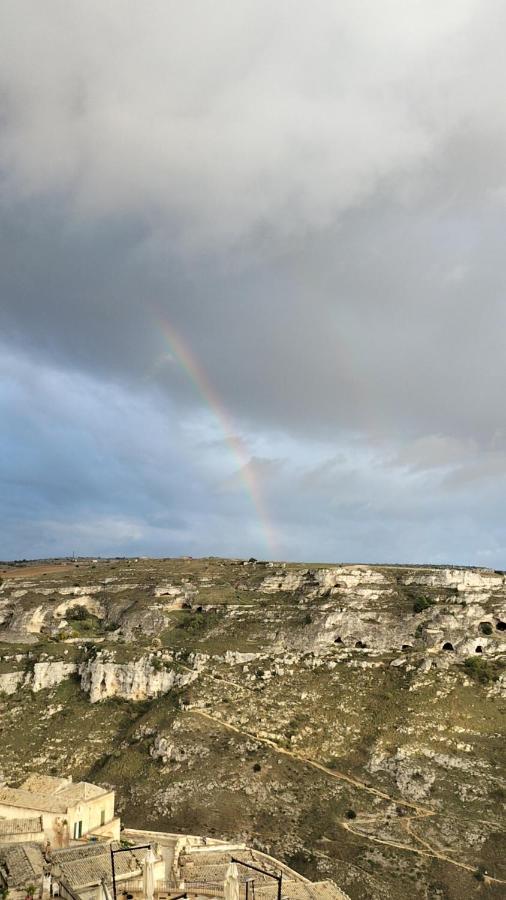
{"points": [[49, 674], [167, 751], [324, 582], [369, 609], [43, 675], [446, 613], [140, 679], [10, 682]]}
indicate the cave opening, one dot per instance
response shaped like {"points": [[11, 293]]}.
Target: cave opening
{"points": [[479, 649], [448, 646], [501, 626], [360, 645], [338, 640]]}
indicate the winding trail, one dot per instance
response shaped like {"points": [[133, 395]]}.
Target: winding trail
{"points": [[420, 812]]}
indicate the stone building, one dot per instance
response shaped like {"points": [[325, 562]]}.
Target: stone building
{"points": [[67, 811]]}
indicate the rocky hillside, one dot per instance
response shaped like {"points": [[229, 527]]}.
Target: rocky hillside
{"points": [[347, 719]]}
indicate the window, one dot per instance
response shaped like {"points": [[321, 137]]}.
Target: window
{"points": [[102, 816], [78, 830]]}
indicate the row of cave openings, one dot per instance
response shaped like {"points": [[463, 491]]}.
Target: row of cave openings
{"points": [[360, 645]]}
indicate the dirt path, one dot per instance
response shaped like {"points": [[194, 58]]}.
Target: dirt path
{"points": [[421, 812], [33, 571]]}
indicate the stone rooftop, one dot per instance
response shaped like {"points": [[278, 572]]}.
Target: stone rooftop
{"points": [[209, 868], [87, 865], [21, 864], [49, 794]]}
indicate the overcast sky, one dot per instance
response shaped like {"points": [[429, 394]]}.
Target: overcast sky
{"points": [[252, 279]]}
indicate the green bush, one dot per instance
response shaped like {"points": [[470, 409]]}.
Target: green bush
{"points": [[486, 628], [421, 604], [480, 873], [480, 670]]}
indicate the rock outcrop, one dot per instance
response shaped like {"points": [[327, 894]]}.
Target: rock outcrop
{"points": [[10, 682], [39, 677], [51, 673], [138, 679]]}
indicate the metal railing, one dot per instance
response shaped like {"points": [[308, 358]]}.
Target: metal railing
{"points": [[136, 886]]}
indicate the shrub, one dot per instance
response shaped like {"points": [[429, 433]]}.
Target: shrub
{"points": [[307, 619], [421, 604], [480, 669], [480, 873], [77, 613], [486, 628]]}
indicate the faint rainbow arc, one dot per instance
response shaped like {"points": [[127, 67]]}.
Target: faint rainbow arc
{"points": [[207, 392]]}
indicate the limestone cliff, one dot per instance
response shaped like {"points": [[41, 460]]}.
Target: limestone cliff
{"points": [[139, 679]]}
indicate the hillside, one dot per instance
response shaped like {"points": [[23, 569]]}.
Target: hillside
{"points": [[347, 719]]}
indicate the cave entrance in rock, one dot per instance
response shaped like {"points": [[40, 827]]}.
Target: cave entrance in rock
{"points": [[360, 645], [448, 646], [407, 647], [338, 640], [479, 649], [501, 626]]}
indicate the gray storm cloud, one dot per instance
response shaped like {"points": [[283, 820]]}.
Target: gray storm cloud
{"points": [[312, 195], [219, 120]]}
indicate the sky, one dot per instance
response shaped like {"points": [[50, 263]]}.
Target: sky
{"points": [[252, 281]]}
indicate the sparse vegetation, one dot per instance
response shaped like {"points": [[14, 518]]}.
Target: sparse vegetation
{"points": [[482, 670]]}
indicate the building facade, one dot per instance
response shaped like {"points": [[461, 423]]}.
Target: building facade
{"points": [[68, 811]]}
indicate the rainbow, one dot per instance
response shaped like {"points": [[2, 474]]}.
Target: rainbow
{"points": [[180, 351]]}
